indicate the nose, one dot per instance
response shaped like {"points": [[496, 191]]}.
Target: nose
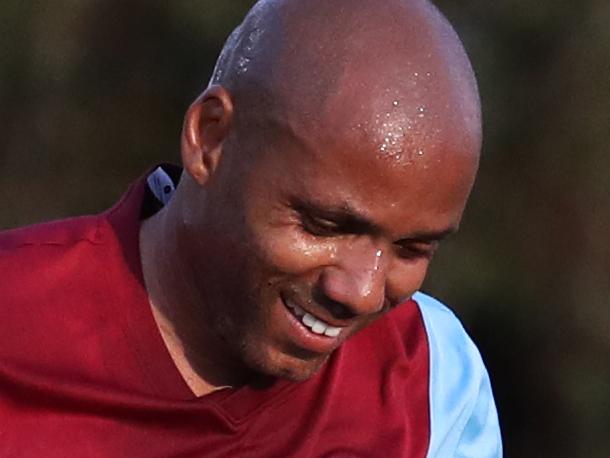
{"points": [[356, 280]]}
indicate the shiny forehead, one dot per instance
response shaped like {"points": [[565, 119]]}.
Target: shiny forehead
{"points": [[390, 72]]}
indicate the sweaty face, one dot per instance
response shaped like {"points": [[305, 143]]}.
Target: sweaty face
{"points": [[315, 239]]}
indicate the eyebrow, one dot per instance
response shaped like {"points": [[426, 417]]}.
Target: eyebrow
{"points": [[353, 220], [430, 236], [343, 214]]}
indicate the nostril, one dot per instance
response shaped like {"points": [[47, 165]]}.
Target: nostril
{"points": [[335, 308], [339, 311]]}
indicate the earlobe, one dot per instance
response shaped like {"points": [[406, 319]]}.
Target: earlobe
{"points": [[206, 126]]}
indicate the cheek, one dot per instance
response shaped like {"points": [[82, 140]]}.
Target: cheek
{"points": [[287, 250], [405, 278]]}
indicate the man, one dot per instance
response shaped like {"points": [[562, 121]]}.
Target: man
{"points": [[264, 301]]}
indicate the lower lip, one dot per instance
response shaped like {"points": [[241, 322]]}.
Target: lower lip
{"points": [[305, 338]]}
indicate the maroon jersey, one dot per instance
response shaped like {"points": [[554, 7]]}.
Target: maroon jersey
{"points": [[84, 371]]}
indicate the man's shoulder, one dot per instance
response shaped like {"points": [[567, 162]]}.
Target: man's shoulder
{"points": [[441, 323], [58, 291], [441, 327], [35, 258], [57, 233], [452, 351], [463, 415]]}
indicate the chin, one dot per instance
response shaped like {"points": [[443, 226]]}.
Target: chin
{"points": [[293, 367], [300, 374]]}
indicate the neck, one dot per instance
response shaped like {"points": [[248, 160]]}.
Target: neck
{"points": [[197, 354]]}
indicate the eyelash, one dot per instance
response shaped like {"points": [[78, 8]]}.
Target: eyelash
{"points": [[319, 226], [411, 252]]}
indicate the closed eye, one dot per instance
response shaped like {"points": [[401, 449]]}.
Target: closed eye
{"points": [[411, 250], [325, 222], [320, 227]]}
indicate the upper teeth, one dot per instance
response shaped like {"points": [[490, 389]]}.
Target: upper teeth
{"points": [[316, 325]]}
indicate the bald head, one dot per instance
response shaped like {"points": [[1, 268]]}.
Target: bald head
{"points": [[392, 69]]}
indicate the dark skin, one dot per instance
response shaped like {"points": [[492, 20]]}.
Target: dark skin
{"points": [[331, 193]]}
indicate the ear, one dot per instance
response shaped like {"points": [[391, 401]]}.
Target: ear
{"points": [[206, 126]]}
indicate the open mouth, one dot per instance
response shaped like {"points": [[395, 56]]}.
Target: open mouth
{"points": [[312, 323]]}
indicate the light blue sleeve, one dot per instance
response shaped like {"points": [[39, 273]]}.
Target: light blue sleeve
{"points": [[463, 417]]}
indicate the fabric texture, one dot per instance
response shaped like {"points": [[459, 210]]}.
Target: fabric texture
{"points": [[84, 370], [463, 417]]}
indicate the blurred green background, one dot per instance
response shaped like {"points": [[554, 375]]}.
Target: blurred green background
{"points": [[93, 92]]}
